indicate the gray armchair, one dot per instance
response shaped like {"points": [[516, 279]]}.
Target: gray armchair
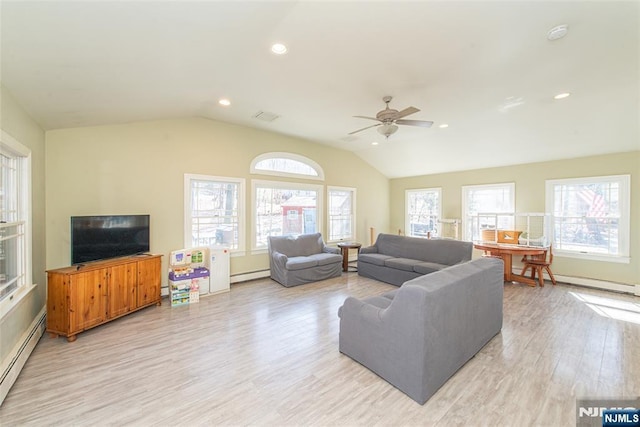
{"points": [[303, 259]]}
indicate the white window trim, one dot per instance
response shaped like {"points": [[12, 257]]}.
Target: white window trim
{"points": [[287, 185], [291, 156], [353, 211], [11, 146], [407, 222], [625, 219], [241, 250], [465, 202]]}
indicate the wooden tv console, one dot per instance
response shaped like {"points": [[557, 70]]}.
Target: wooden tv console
{"points": [[81, 297]]}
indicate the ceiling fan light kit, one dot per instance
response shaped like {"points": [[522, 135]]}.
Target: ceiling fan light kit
{"points": [[389, 118], [387, 129]]}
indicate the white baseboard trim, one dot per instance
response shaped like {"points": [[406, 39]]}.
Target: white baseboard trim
{"points": [[243, 277], [594, 283], [250, 276], [599, 284], [13, 364], [580, 281]]}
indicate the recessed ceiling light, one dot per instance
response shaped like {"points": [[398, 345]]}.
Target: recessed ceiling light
{"points": [[562, 95], [557, 32], [444, 125], [224, 102], [374, 143], [279, 49]]}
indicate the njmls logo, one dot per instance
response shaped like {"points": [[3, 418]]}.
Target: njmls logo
{"points": [[608, 412], [621, 418]]}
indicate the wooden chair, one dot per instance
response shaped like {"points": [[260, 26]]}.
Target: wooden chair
{"points": [[537, 265]]}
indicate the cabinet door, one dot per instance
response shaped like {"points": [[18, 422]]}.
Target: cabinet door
{"points": [[122, 289], [148, 281], [87, 299], [57, 300]]}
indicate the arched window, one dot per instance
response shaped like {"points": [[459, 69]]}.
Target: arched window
{"points": [[286, 164]]}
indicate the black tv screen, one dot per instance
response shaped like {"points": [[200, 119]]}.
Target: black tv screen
{"points": [[108, 236]]}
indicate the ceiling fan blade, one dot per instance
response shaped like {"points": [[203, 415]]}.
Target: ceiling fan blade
{"points": [[360, 130], [421, 123], [365, 117], [406, 112]]}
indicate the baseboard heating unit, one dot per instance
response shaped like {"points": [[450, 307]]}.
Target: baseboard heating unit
{"points": [[18, 357]]}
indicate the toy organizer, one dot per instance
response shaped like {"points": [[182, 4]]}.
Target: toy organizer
{"points": [[188, 276]]}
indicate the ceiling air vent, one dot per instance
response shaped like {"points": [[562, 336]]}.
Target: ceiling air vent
{"points": [[265, 116]]}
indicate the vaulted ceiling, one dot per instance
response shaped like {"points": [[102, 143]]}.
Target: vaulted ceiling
{"points": [[485, 68]]}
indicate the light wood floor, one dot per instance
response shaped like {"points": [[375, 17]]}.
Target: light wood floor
{"points": [[268, 355]]}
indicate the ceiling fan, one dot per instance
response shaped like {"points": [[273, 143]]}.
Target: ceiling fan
{"points": [[389, 118]]}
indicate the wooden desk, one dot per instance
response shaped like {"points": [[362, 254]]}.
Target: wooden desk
{"points": [[344, 248], [506, 252]]}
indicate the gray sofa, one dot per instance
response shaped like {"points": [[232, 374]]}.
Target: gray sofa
{"points": [[416, 337], [396, 259], [303, 259]]}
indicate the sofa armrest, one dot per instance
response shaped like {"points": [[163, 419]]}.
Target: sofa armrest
{"points": [[360, 312], [369, 250], [330, 250], [279, 259]]}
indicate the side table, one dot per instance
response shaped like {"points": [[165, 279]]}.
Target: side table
{"points": [[344, 248]]}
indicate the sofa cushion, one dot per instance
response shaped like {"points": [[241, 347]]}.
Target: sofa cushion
{"points": [[300, 262], [377, 259], [326, 258], [405, 264], [428, 267]]}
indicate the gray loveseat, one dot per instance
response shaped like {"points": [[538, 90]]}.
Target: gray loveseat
{"points": [[396, 259], [303, 259], [416, 337]]}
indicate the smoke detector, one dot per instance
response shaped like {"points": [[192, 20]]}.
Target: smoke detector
{"points": [[557, 32]]}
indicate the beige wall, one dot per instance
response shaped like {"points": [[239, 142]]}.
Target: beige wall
{"points": [[140, 167], [16, 122], [529, 180]]}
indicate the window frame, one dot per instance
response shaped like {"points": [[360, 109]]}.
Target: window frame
{"points": [[624, 225], [289, 156], [407, 213], [352, 190], [467, 230], [11, 147], [188, 178], [255, 183]]}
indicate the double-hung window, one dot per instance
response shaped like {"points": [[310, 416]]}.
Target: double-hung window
{"points": [[423, 212], [486, 199], [342, 213], [15, 217], [214, 212], [590, 216], [284, 209]]}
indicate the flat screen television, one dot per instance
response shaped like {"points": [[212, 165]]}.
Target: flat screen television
{"points": [[108, 236]]}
